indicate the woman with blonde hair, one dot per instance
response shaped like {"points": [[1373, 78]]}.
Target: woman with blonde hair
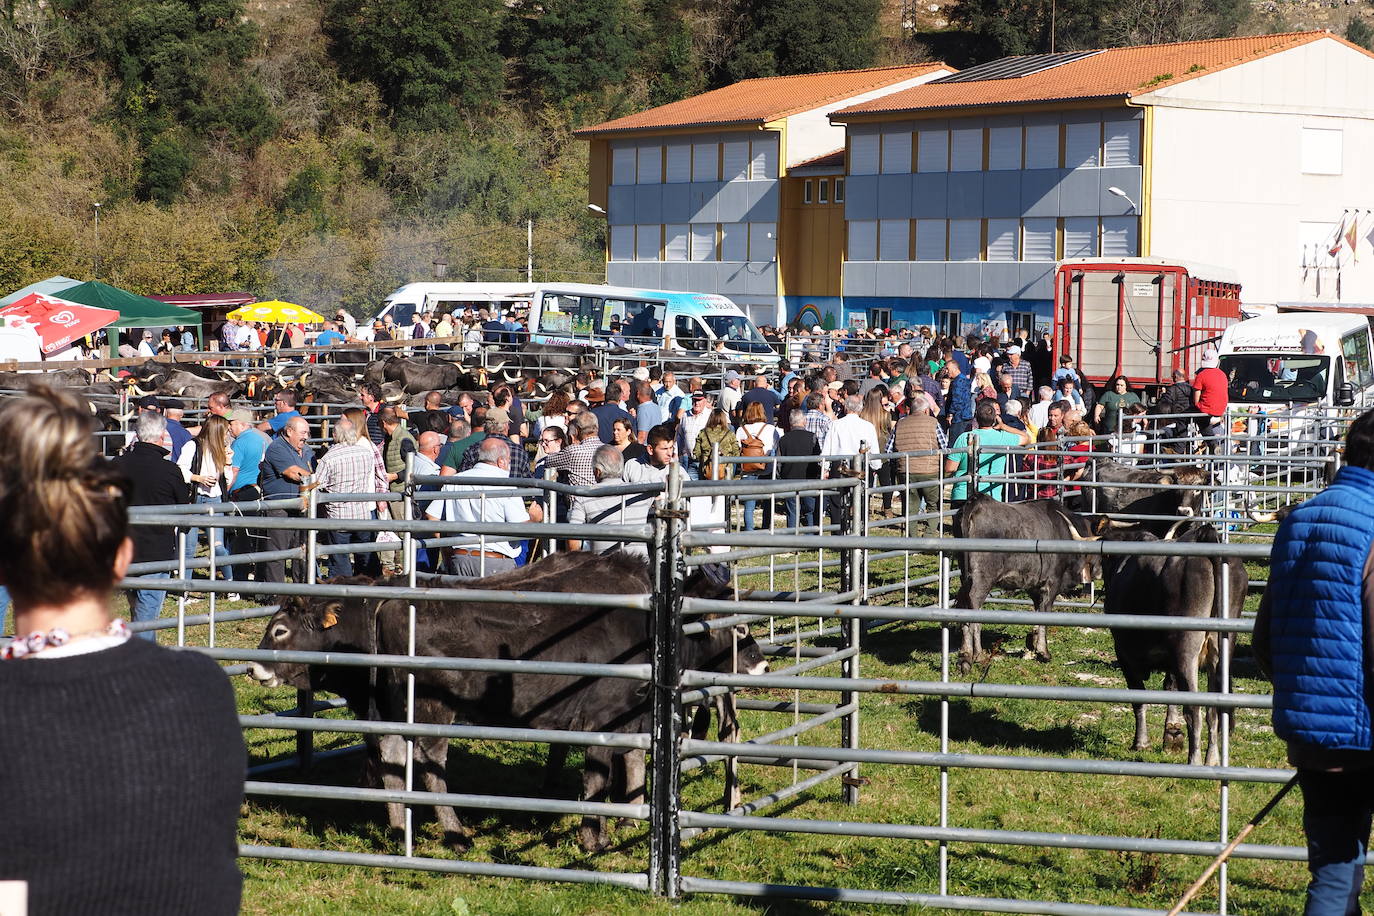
{"points": [[127, 756], [878, 410], [207, 464]]}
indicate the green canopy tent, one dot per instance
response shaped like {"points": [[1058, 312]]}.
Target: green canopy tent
{"points": [[135, 311]]}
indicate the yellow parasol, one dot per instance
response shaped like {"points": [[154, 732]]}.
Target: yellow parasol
{"points": [[277, 312]]}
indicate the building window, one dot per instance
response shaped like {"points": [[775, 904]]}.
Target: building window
{"points": [[763, 242], [1120, 236], [763, 158], [894, 240], [623, 165], [648, 241], [966, 150], [1082, 145], [1080, 237], [863, 154], [965, 239], [823, 191], [1002, 239], [1321, 151], [1042, 146], [675, 241], [735, 155], [622, 243], [932, 151], [806, 191], [1121, 143], [951, 323], [839, 190], [734, 242], [1037, 239], [705, 161], [863, 240], [897, 153], [679, 168], [1004, 148], [704, 242], [650, 165], [930, 239]]}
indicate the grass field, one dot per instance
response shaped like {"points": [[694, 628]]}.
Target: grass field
{"points": [[1109, 805]]}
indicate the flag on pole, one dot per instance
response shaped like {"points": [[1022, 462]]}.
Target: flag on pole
{"points": [[1352, 236], [1369, 236], [1334, 247]]}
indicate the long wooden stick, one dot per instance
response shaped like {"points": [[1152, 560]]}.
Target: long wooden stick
{"points": [[1231, 847]]}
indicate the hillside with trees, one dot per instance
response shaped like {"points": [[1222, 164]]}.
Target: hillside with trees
{"points": [[328, 150]]}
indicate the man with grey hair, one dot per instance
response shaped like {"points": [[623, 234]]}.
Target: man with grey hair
{"points": [[482, 503], [156, 482], [1039, 412], [497, 426], [850, 435], [629, 509], [348, 467]]}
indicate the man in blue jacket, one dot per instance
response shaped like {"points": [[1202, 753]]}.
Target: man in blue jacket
{"points": [[1314, 637]]}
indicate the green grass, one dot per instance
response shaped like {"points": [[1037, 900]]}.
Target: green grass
{"points": [[1128, 806]]}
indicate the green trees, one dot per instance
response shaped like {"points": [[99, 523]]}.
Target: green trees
{"points": [[1359, 32], [563, 48], [432, 60], [785, 37]]}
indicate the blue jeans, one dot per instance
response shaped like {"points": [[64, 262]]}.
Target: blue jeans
{"points": [[749, 503], [1336, 817], [342, 564], [145, 604], [216, 541], [808, 511]]}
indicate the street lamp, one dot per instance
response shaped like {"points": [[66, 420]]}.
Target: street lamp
{"points": [[595, 209], [1124, 196], [440, 268], [97, 239]]}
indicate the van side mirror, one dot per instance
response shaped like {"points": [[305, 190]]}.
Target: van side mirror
{"points": [[1345, 395]]}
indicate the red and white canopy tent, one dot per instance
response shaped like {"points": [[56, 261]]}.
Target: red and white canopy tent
{"points": [[56, 321]]}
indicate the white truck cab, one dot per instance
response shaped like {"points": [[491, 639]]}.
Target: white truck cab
{"points": [[1299, 358]]}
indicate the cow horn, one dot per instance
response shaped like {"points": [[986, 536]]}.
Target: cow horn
{"points": [[1263, 516], [139, 391], [1073, 533], [1172, 533]]}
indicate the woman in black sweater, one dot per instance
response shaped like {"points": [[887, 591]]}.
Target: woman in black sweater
{"points": [[123, 762]]}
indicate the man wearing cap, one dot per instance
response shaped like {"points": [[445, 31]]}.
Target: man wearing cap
{"points": [[497, 426], [1210, 398], [174, 411], [730, 393], [693, 422], [246, 454], [1020, 371], [346, 322]]}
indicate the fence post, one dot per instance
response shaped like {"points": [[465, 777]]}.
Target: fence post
{"points": [[305, 699], [856, 578], [665, 839]]}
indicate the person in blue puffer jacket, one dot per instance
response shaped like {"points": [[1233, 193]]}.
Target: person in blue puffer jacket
{"points": [[1314, 638]]}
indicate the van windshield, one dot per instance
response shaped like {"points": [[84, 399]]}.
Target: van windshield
{"points": [[403, 314], [738, 333], [1260, 378]]}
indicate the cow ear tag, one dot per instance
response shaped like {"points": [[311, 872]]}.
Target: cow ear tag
{"points": [[330, 618]]}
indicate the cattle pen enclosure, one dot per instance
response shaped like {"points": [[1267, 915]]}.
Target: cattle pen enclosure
{"points": [[878, 776]]}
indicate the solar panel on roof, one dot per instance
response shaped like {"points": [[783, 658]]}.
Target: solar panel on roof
{"points": [[1011, 67]]}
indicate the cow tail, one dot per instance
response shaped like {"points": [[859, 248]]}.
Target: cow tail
{"points": [[373, 671], [1210, 656]]}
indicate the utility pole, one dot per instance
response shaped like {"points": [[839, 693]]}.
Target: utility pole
{"points": [[97, 239], [529, 251]]}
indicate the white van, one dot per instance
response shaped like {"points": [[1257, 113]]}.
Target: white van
{"points": [[692, 324], [451, 297], [1300, 358]]}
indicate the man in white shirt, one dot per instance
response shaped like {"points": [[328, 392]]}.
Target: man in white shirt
{"points": [[668, 393], [693, 422], [849, 435], [625, 509], [730, 393], [247, 337], [488, 556], [1039, 413]]}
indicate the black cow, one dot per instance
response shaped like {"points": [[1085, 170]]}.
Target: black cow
{"points": [[1121, 491], [514, 630], [1174, 587], [1043, 576]]}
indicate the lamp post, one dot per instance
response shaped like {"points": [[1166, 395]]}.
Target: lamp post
{"points": [[440, 268], [97, 239], [1124, 196]]}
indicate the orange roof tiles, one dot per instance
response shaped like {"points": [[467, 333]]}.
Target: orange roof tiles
{"points": [[753, 102], [1113, 73]]}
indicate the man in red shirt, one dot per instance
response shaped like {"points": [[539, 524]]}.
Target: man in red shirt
{"points": [[1209, 397]]}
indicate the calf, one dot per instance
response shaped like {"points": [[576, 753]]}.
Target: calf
{"points": [[1044, 576], [1122, 492], [516, 630], [1175, 587]]}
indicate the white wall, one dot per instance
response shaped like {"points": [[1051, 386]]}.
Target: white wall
{"points": [[1228, 186], [810, 133]]}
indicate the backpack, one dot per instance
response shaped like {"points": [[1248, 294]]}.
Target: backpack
{"points": [[752, 447]]}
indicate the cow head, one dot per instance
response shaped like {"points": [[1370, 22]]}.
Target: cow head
{"points": [[1190, 480], [732, 649], [305, 624]]}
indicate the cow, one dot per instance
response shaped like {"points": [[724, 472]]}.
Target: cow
{"points": [[514, 630], [1043, 576], [1174, 587], [1121, 492]]}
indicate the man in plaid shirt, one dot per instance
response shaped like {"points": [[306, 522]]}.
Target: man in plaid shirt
{"points": [[1020, 371], [817, 420], [348, 467]]}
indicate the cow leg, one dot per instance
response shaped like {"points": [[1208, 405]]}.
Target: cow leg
{"points": [[433, 760], [1135, 680], [1214, 714], [392, 750], [1174, 729], [1036, 640], [1186, 679], [971, 595], [554, 764], [701, 722], [729, 731], [596, 779], [630, 770]]}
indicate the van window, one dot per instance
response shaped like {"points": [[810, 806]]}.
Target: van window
{"points": [[403, 314], [561, 313], [738, 333], [1257, 378], [1355, 349], [689, 333], [640, 322]]}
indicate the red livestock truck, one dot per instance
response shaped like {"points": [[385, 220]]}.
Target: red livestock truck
{"points": [[1140, 317]]}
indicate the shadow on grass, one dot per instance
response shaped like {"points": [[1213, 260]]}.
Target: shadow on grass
{"points": [[986, 727]]}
